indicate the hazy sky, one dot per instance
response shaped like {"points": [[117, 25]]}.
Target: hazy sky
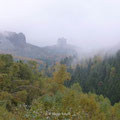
{"points": [[85, 23]]}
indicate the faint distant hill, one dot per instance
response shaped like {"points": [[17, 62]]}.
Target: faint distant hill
{"points": [[15, 44], [109, 51], [61, 48]]}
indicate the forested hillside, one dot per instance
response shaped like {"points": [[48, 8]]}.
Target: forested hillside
{"points": [[28, 94], [100, 75]]}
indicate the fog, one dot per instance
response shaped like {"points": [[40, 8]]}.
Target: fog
{"points": [[89, 24]]}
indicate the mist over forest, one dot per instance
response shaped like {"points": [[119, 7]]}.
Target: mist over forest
{"points": [[59, 60]]}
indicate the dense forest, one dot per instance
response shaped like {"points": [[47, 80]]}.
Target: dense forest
{"points": [[87, 91], [100, 75]]}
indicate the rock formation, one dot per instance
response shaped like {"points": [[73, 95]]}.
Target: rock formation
{"points": [[62, 42], [15, 44]]}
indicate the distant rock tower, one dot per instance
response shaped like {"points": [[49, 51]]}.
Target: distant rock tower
{"points": [[62, 42]]}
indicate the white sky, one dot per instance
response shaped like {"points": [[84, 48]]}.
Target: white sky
{"points": [[85, 23]]}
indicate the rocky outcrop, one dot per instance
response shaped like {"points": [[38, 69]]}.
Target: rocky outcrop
{"points": [[12, 40], [15, 44], [18, 40], [62, 42]]}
